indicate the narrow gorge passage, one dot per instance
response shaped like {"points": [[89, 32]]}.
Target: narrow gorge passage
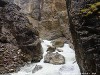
{"points": [[69, 68], [23, 45]]}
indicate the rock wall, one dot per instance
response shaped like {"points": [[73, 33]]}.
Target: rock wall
{"points": [[85, 28], [48, 16], [19, 43], [54, 20]]}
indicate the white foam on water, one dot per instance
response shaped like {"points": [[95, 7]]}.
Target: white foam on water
{"points": [[69, 68]]}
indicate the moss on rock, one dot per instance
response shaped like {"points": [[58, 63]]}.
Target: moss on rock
{"points": [[91, 9]]}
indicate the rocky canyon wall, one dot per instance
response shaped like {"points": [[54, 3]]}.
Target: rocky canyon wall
{"points": [[48, 16], [21, 20], [85, 28], [19, 43]]}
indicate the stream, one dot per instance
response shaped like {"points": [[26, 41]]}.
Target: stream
{"points": [[69, 68]]}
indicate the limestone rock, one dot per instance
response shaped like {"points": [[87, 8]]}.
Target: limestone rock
{"points": [[59, 42], [52, 22], [18, 42], [48, 16], [51, 49], [54, 58], [86, 37]]}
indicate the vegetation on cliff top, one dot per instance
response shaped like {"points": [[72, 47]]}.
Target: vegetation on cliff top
{"points": [[93, 8]]}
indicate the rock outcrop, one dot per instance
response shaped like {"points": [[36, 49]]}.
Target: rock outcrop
{"points": [[19, 43], [54, 20], [54, 58], [48, 16], [85, 28]]}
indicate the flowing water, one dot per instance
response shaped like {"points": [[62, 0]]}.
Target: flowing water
{"points": [[69, 68]]}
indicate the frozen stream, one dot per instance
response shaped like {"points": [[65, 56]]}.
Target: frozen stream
{"points": [[69, 68]]}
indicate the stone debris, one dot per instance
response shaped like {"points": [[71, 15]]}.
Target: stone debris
{"points": [[54, 58]]}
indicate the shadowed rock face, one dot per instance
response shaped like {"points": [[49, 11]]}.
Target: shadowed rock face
{"points": [[18, 42], [2, 3], [86, 36]]}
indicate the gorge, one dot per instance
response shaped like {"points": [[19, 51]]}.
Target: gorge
{"points": [[34, 37]]}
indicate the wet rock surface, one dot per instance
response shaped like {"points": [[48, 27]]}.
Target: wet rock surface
{"points": [[37, 68], [59, 42], [18, 42], [54, 58], [86, 36], [51, 49]]}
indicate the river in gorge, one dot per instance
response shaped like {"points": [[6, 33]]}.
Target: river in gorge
{"points": [[69, 68]]}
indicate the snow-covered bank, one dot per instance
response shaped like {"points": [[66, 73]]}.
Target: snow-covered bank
{"points": [[69, 68]]}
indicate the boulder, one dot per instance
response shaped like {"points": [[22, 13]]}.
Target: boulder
{"points": [[37, 68], [54, 58], [51, 49], [19, 43], [59, 42]]}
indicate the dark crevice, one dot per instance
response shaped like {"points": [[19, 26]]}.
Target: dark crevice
{"points": [[2, 3]]}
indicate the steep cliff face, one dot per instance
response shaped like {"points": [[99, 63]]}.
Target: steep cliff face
{"points": [[48, 16], [85, 28], [19, 43], [54, 20]]}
